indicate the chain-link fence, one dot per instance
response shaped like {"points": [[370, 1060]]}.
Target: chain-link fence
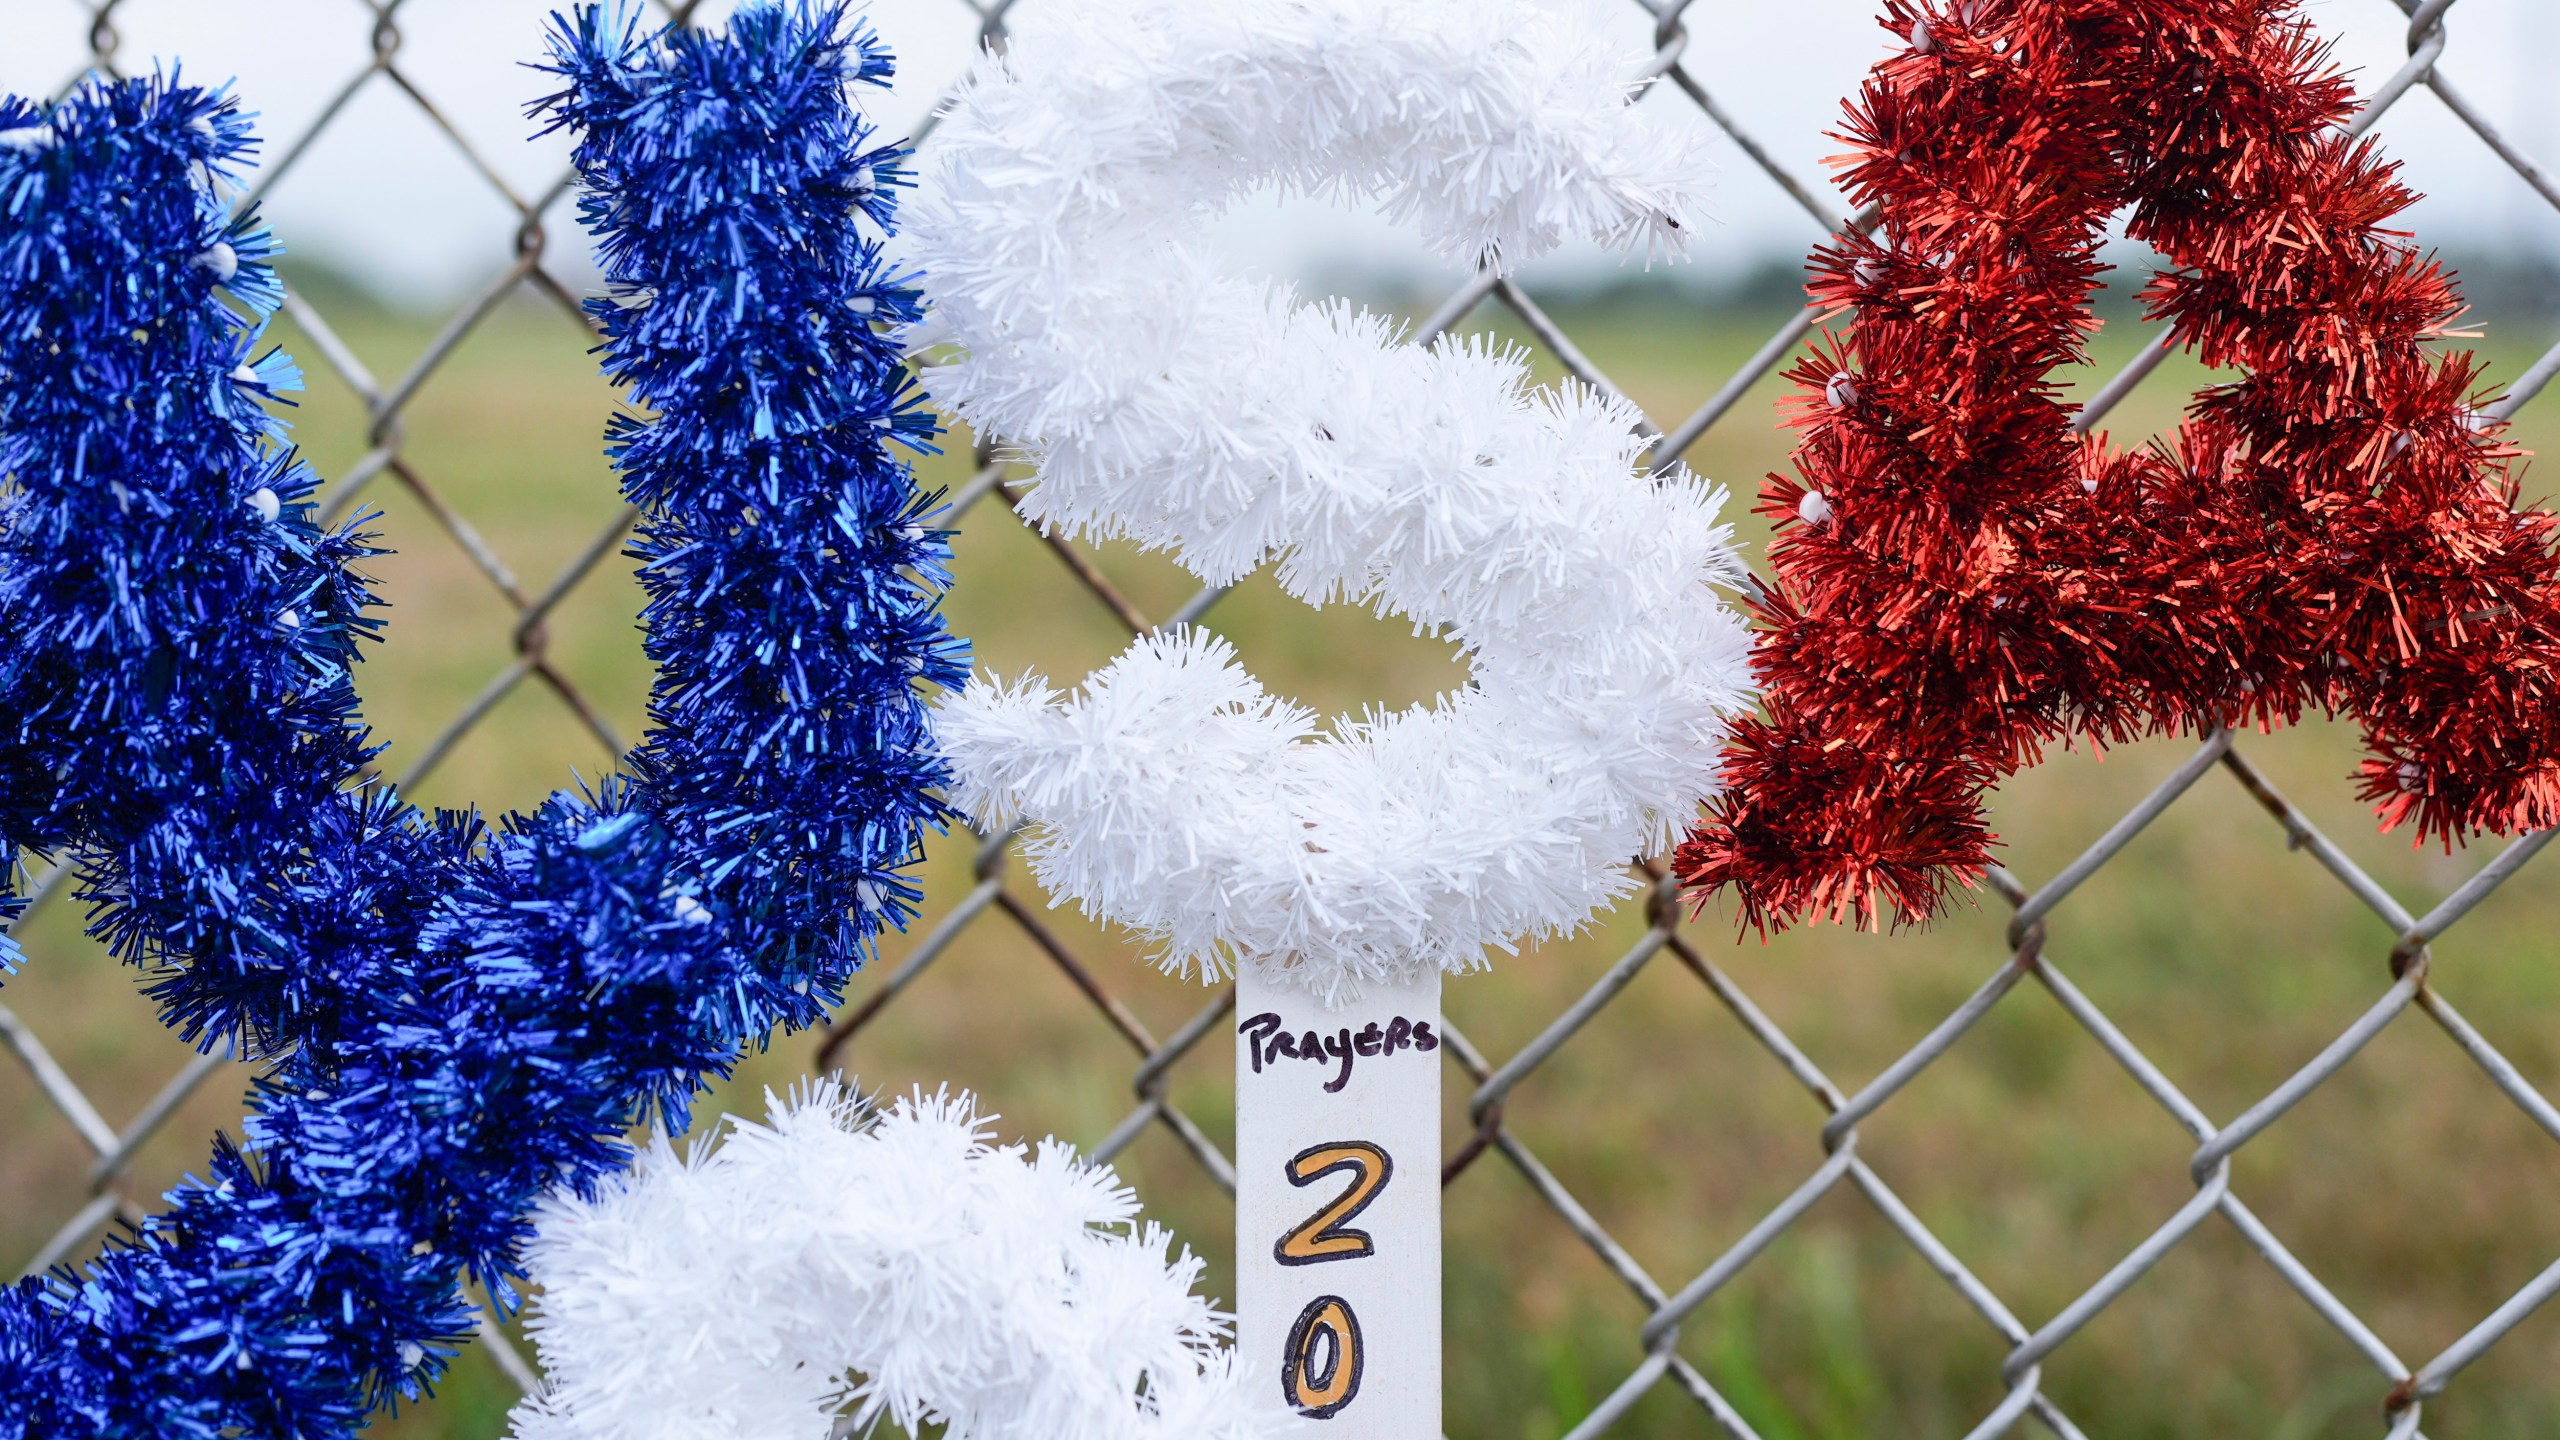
{"points": [[1666, 1298]]}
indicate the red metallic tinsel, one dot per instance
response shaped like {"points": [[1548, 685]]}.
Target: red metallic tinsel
{"points": [[1974, 580]]}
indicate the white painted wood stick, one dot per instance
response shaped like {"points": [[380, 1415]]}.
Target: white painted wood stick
{"points": [[1338, 1204]]}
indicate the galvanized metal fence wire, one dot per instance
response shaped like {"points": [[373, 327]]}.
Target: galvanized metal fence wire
{"points": [[999, 896]]}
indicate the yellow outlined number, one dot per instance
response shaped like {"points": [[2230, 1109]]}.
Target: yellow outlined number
{"points": [[1323, 1368], [1322, 1236], [1320, 1372]]}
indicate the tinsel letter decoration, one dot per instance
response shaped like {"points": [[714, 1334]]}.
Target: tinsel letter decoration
{"points": [[454, 1018], [835, 1266], [1061, 227], [1964, 579]]}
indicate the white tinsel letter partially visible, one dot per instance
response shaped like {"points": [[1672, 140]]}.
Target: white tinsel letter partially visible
{"points": [[834, 1263], [1060, 231]]}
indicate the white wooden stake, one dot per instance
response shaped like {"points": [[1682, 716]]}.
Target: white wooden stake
{"points": [[1338, 1204]]}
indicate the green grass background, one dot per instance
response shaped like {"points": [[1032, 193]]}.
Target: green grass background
{"points": [[2407, 1184]]}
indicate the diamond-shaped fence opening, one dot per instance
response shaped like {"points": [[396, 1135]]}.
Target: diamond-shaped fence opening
{"points": [[1675, 1207]]}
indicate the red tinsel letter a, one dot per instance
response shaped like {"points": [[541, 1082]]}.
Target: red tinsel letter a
{"points": [[1963, 579]]}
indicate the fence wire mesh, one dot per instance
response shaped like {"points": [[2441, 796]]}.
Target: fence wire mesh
{"points": [[1670, 1293]]}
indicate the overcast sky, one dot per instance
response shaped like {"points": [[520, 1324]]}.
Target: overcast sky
{"points": [[385, 196]]}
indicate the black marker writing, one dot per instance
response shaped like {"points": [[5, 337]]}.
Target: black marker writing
{"points": [[1266, 1042]]}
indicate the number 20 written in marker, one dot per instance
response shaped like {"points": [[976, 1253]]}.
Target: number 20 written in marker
{"points": [[1320, 1373]]}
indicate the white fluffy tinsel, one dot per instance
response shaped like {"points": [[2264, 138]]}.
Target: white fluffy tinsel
{"points": [[1060, 234], [899, 1265]]}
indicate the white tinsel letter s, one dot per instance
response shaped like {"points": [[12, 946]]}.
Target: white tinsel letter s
{"points": [[833, 1262], [1059, 234]]}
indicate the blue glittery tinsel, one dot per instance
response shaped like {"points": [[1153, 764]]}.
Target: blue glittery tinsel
{"points": [[453, 1018]]}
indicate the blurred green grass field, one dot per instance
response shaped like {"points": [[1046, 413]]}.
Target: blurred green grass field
{"points": [[2407, 1184]]}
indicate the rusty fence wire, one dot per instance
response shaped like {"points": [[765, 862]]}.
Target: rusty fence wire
{"points": [[2403, 1383]]}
